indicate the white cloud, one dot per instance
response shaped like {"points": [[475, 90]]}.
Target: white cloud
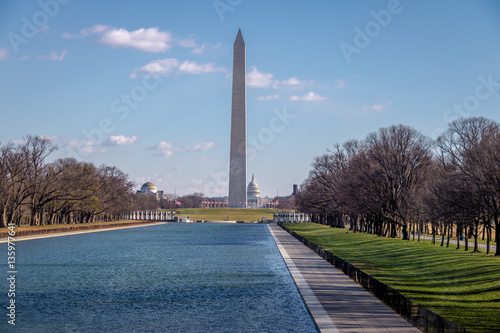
{"points": [[293, 81], [54, 56], [376, 107], [120, 140], [163, 149], [161, 66], [26, 57], [268, 98], [259, 79], [4, 53], [309, 97], [147, 40], [170, 66], [191, 67], [143, 39], [340, 83]]}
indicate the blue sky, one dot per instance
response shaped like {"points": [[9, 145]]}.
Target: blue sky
{"points": [[146, 85]]}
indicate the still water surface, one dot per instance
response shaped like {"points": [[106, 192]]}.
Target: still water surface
{"points": [[163, 278]]}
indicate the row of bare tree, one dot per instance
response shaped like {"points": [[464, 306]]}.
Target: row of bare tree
{"points": [[398, 182], [35, 192]]}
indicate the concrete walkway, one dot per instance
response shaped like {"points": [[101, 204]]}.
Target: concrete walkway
{"points": [[77, 232], [337, 303]]}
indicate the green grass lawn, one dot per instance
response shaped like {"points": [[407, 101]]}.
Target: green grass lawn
{"points": [[463, 287], [231, 214]]}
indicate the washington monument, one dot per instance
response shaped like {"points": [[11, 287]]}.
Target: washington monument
{"points": [[238, 154]]}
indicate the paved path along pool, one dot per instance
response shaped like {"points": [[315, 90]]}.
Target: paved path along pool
{"points": [[337, 303]]}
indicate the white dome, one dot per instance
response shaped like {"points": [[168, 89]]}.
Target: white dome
{"points": [[253, 189]]}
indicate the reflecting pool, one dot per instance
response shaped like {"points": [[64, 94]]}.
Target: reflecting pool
{"points": [[162, 278]]}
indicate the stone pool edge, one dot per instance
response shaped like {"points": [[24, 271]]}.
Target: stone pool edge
{"points": [[319, 314]]}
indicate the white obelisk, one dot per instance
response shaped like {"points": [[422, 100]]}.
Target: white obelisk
{"points": [[238, 153]]}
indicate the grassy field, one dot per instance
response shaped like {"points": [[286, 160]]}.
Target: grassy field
{"points": [[463, 287], [231, 214]]}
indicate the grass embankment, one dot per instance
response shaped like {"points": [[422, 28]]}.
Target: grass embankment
{"points": [[45, 229], [230, 214], [463, 287]]}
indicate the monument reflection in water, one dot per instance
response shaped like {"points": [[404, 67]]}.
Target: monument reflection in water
{"points": [[165, 278]]}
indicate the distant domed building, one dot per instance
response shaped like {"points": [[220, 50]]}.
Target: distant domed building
{"points": [[253, 192], [151, 189]]}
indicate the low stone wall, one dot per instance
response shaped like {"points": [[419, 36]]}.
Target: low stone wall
{"points": [[150, 215], [418, 315], [291, 217]]}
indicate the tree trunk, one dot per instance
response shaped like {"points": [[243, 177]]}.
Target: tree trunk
{"points": [[488, 237], [443, 234], [405, 231], [476, 236], [497, 237], [466, 239]]}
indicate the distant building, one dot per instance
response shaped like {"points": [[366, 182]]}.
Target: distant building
{"points": [[151, 189], [253, 192]]}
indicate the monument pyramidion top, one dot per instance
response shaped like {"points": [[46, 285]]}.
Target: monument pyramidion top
{"points": [[239, 39]]}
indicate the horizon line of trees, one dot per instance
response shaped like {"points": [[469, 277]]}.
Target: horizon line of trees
{"points": [[399, 182], [65, 191]]}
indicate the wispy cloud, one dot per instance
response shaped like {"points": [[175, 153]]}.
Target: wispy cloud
{"points": [[200, 146], [268, 97], [84, 146], [293, 83], [309, 97], [54, 56], [340, 83], [200, 49], [191, 43], [169, 66], [167, 149], [96, 29]]}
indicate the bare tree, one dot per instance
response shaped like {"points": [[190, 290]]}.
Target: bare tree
{"points": [[469, 146]]}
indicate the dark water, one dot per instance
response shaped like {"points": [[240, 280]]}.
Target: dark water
{"points": [[165, 278]]}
